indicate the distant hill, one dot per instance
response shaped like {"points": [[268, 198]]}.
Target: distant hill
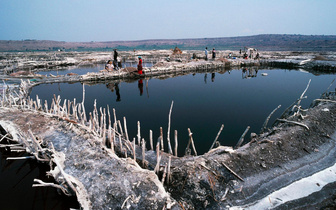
{"points": [[262, 42]]}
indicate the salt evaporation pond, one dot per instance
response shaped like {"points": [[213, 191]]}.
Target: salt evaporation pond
{"points": [[83, 70], [202, 102]]}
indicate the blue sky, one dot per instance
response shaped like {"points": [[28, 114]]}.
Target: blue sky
{"points": [[109, 20]]}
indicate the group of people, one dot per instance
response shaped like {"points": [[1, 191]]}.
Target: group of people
{"points": [[213, 52], [115, 65]]}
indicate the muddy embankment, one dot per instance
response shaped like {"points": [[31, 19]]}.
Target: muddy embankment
{"points": [[28, 64], [94, 159]]}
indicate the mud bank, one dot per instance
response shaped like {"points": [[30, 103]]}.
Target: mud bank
{"points": [[95, 160], [92, 165], [42, 61], [182, 64]]}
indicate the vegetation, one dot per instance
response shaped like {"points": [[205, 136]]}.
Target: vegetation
{"points": [[282, 42]]}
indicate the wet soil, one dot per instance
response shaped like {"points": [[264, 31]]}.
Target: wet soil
{"points": [[270, 161], [219, 179]]}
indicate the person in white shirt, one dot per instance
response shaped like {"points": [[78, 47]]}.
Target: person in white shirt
{"points": [[109, 66]]}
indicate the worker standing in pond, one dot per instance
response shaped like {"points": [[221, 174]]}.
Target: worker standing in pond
{"points": [[115, 59], [140, 65], [206, 53]]}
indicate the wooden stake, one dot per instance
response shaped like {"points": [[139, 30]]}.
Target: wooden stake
{"points": [[138, 135], [143, 152], [192, 141], [64, 111], [114, 136], [219, 132], [115, 116], [110, 138], [294, 122], [161, 138], [134, 154], [151, 139], [157, 167], [46, 106], [125, 127], [158, 157], [168, 173], [83, 107], [104, 128], [95, 115], [69, 108], [242, 138], [120, 127], [44, 184], [164, 174], [176, 143], [120, 143], [234, 173], [109, 116], [168, 132], [74, 109], [301, 97], [91, 122], [267, 119], [125, 151], [101, 122]]}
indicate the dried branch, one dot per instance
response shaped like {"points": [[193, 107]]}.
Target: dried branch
{"points": [[294, 122], [151, 139], [168, 132], [328, 87], [44, 184], [143, 152], [267, 119], [228, 168], [125, 127], [219, 132], [191, 141], [242, 138], [161, 138], [176, 143]]}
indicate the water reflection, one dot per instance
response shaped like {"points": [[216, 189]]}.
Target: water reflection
{"points": [[147, 88], [117, 92], [140, 86], [232, 100], [212, 77], [114, 86], [249, 73]]}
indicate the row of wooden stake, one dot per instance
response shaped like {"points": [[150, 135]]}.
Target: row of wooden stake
{"points": [[99, 123]]}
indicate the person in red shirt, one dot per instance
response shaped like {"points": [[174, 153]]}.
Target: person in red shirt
{"points": [[140, 65]]}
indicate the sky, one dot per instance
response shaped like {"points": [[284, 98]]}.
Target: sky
{"points": [[126, 20]]}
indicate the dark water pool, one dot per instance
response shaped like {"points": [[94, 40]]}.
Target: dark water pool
{"points": [[16, 180], [202, 102], [86, 69]]}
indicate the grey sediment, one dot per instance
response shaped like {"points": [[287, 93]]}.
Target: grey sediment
{"points": [[111, 178]]}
